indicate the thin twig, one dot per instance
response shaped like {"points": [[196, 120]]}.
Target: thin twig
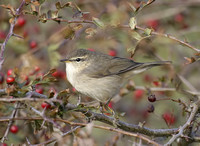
{"points": [[71, 21], [182, 128], [165, 35], [194, 138], [30, 99], [172, 38], [54, 139], [115, 130], [12, 25], [10, 122], [137, 27], [18, 36], [45, 118]]}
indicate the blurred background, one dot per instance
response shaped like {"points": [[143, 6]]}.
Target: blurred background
{"points": [[47, 41]]}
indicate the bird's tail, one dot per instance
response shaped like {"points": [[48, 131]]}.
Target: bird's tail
{"points": [[144, 66]]}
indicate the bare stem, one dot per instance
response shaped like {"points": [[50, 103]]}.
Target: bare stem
{"points": [[188, 122], [10, 34], [10, 122]]}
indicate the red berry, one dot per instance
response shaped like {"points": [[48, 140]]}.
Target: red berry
{"points": [[2, 35], [39, 90], [110, 104], [152, 98], [153, 24], [179, 18], [9, 72], [150, 108], [3, 144], [138, 94], [21, 21], [156, 83], [56, 74], [45, 105], [169, 118], [63, 75], [14, 129], [90, 49], [33, 44], [1, 78], [10, 80], [112, 53], [37, 68], [59, 74]]}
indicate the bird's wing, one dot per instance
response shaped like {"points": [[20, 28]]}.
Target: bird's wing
{"points": [[114, 66]]}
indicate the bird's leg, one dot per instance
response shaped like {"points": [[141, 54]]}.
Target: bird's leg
{"points": [[101, 106], [115, 116], [108, 108], [79, 100]]}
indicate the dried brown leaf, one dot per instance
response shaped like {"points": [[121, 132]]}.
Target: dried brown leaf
{"points": [[9, 7], [189, 60]]}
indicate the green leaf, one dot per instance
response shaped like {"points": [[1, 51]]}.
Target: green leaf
{"points": [[52, 14], [50, 72], [43, 18], [148, 31], [132, 23], [131, 50], [97, 22], [64, 94], [68, 32], [136, 35], [59, 6]]}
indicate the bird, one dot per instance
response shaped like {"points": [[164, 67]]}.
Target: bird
{"points": [[100, 76]]}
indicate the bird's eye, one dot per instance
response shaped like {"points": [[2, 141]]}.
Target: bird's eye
{"points": [[78, 59]]}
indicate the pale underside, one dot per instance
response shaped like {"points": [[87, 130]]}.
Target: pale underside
{"points": [[101, 89]]}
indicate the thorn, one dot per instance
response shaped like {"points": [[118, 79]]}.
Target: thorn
{"points": [[18, 36]]}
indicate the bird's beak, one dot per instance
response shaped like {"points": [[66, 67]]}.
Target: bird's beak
{"points": [[64, 60]]}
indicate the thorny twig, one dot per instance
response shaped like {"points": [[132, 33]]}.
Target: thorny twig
{"points": [[10, 34], [189, 121], [137, 27], [17, 105]]}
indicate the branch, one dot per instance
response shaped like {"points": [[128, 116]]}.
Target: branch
{"points": [[84, 125], [30, 99], [12, 25], [165, 35], [45, 118], [113, 129], [194, 138], [172, 38], [122, 125], [17, 105], [182, 128], [137, 27], [70, 21]]}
